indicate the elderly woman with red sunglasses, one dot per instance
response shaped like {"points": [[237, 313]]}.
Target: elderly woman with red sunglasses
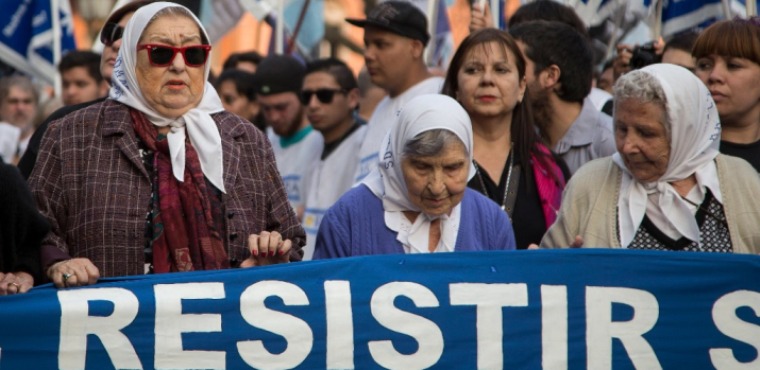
{"points": [[159, 178]]}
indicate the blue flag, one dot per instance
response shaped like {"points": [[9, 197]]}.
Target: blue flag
{"points": [[312, 28], [27, 35], [682, 15]]}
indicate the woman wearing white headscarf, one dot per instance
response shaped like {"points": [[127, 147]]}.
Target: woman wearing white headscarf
{"points": [[667, 187], [417, 200], [159, 178]]}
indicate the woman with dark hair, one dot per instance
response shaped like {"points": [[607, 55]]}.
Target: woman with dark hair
{"points": [[728, 62], [513, 167]]}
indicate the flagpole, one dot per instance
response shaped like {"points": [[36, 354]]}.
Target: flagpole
{"points": [[280, 27], [292, 45], [432, 14], [726, 8], [657, 31], [495, 13], [55, 17]]}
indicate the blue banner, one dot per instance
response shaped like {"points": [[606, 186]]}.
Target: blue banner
{"points": [[569, 309], [27, 35]]}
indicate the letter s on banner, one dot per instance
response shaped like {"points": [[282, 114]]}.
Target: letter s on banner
{"points": [[600, 329], [76, 325], [724, 316], [424, 331], [296, 332]]}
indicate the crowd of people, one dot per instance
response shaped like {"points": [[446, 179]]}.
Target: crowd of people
{"points": [[152, 165]]}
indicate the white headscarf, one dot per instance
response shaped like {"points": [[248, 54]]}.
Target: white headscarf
{"points": [[694, 141], [422, 113], [197, 122]]}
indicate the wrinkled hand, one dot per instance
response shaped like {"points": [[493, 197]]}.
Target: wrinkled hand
{"points": [[15, 283], [267, 248], [73, 272], [480, 18]]}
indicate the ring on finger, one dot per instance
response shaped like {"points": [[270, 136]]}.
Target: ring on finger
{"points": [[66, 276]]}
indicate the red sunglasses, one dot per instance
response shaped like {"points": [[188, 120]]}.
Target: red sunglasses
{"points": [[163, 55]]}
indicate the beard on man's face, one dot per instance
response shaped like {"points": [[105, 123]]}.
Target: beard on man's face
{"points": [[542, 110]]}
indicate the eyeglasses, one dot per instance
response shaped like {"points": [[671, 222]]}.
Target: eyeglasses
{"points": [[163, 55], [325, 96], [111, 33]]}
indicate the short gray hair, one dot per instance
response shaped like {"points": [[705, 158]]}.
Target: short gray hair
{"points": [[644, 87], [430, 143]]}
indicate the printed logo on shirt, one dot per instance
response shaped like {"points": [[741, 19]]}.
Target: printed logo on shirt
{"points": [[293, 187], [312, 219]]}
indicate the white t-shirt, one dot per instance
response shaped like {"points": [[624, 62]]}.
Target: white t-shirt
{"points": [[9, 144], [384, 117], [295, 161], [327, 182]]}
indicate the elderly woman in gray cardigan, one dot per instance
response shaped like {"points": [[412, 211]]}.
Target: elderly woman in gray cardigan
{"points": [[667, 187]]}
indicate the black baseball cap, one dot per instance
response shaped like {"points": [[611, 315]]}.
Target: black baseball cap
{"points": [[279, 73], [399, 17]]}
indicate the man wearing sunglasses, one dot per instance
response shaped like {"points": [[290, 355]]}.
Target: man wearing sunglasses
{"points": [[110, 36], [295, 143], [395, 36], [331, 96]]}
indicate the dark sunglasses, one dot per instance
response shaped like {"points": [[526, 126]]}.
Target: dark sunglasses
{"points": [[163, 55], [111, 33], [325, 96]]}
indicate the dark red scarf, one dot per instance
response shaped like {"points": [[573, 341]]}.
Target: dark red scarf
{"points": [[185, 237]]}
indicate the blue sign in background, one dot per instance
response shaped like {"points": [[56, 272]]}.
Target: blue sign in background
{"points": [[685, 286]]}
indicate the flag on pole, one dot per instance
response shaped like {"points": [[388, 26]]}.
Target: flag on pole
{"points": [[679, 16], [307, 16], [27, 37], [311, 30], [442, 47], [220, 16]]}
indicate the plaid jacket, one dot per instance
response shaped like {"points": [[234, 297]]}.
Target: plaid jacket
{"points": [[90, 183]]}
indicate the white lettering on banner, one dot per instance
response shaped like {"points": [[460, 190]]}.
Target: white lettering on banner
{"points": [[340, 325], [296, 332], [554, 327], [489, 299], [171, 323], [600, 329], [77, 324], [724, 316], [427, 334], [78, 321]]}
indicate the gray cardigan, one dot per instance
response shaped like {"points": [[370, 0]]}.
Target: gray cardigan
{"points": [[589, 206]]}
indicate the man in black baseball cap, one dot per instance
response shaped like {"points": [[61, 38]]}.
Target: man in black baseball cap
{"points": [[395, 36]]}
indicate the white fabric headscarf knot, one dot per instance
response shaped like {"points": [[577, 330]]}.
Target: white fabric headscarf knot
{"points": [[195, 123], [694, 140], [422, 113]]}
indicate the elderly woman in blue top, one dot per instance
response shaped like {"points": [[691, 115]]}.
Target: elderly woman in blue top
{"points": [[417, 200]]}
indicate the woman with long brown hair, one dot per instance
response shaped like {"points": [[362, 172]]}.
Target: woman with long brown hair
{"points": [[514, 168]]}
